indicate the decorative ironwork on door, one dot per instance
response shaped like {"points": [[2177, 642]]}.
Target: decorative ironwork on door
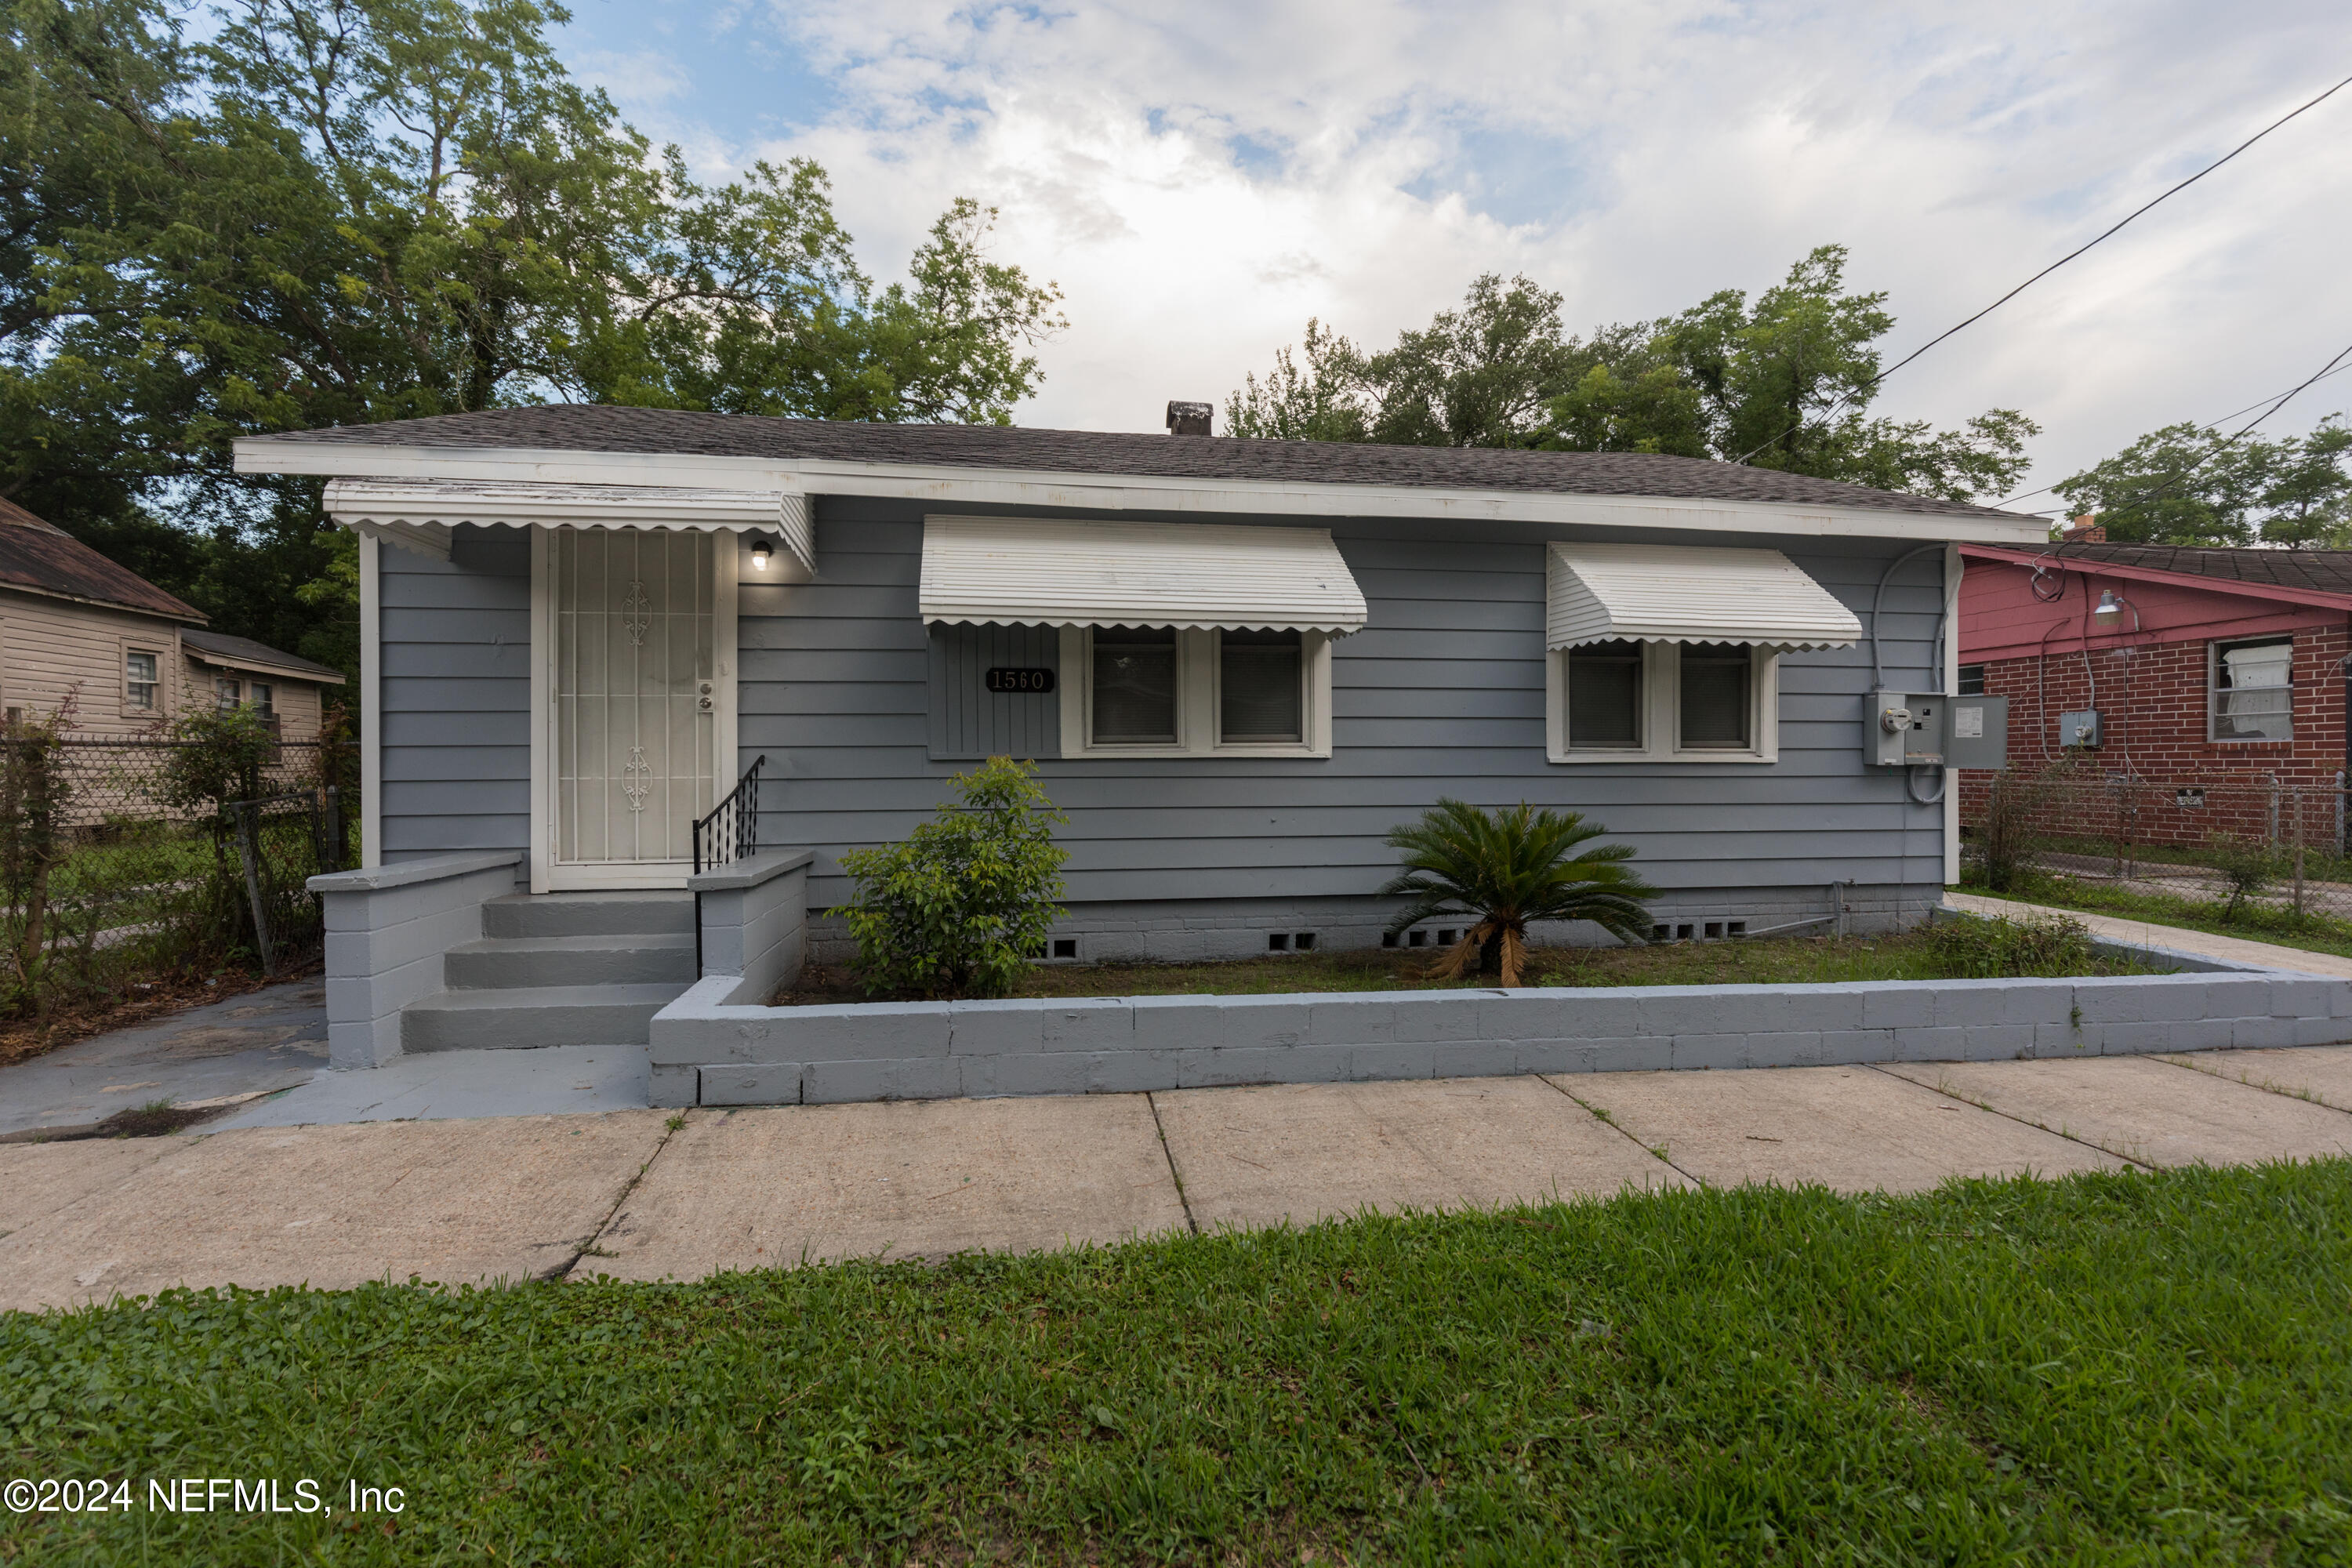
{"points": [[634, 656]]}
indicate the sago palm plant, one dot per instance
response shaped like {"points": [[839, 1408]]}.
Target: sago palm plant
{"points": [[1507, 867]]}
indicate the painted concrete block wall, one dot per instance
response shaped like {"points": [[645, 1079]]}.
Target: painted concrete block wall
{"points": [[706, 1051], [386, 931], [754, 922], [1442, 694], [456, 696]]}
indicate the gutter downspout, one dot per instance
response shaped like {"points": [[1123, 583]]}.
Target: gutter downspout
{"points": [[1953, 568]]}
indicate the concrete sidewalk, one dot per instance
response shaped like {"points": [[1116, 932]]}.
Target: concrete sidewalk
{"points": [[2145, 934], [643, 1195]]}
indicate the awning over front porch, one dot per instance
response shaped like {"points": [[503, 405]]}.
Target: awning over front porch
{"points": [[418, 514]]}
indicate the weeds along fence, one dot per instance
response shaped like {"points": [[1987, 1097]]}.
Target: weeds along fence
{"points": [[130, 860], [2261, 845]]}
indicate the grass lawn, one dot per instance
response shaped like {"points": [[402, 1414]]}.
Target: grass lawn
{"points": [[2107, 1369], [1773, 961], [2255, 923]]}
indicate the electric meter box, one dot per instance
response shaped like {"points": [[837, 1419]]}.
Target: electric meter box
{"points": [[2084, 729], [1929, 729], [1906, 728], [1977, 736]]}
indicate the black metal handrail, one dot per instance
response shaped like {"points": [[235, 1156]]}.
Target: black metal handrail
{"points": [[731, 831]]}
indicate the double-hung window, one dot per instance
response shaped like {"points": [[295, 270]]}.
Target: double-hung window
{"points": [[1624, 700], [1195, 691], [1672, 653], [141, 681], [2250, 691], [227, 693]]}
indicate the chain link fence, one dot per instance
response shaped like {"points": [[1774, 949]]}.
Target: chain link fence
{"points": [[2259, 850], [123, 861]]}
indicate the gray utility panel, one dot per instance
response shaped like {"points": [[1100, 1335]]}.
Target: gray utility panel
{"points": [[1927, 729], [1977, 735]]}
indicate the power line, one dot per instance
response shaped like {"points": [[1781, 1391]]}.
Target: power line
{"points": [[2055, 266], [2330, 368], [2209, 425]]}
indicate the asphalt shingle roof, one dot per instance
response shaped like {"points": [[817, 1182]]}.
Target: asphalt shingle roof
{"points": [[35, 553], [585, 428], [2315, 571], [247, 651]]}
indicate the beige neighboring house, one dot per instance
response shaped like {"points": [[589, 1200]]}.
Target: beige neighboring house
{"points": [[129, 656]]}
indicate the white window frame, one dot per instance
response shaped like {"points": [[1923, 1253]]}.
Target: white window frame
{"points": [[236, 692], [1662, 712], [2213, 690], [154, 710], [1198, 672]]}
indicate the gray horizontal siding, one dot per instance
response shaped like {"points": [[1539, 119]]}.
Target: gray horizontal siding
{"points": [[456, 684], [1441, 694]]}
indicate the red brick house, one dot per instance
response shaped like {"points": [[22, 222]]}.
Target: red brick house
{"points": [[2221, 669]]}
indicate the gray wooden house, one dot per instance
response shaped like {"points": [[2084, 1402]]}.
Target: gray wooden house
{"points": [[1238, 664]]}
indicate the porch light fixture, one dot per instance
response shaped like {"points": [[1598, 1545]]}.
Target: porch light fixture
{"points": [[761, 550]]}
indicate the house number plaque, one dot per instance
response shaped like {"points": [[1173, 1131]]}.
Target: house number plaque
{"points": [[1004, 679]]}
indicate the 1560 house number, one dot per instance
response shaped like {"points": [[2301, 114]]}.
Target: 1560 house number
{"points": [[1021, 681]]}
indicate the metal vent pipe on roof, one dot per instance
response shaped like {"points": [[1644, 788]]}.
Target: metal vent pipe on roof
{"points": [[1190, 418]]}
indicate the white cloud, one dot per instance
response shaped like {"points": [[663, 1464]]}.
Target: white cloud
{"points": [[1201, 178]]}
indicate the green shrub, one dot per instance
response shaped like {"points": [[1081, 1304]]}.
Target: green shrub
{"points": [[1504, 868], [2000, 852], [2000, 948], [960, 906], [2247, 865]]}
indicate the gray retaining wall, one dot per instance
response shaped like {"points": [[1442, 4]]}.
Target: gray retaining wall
{"points": [[752, 916], [708, 1052], [386, 930]]}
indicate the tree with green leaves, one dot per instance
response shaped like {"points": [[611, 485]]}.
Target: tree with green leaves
{"points": [[2189, 484], [344, 211], [1784, 381]]}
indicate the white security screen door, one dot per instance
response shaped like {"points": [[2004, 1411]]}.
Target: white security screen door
{"points": [[635, 698]]}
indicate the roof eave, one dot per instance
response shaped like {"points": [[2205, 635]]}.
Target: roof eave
{"points": [[958, 484], [262, 666], [187, 614], [2319, 597]]}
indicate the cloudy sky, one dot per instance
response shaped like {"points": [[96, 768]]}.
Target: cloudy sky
{"points": [[1200, 176]]}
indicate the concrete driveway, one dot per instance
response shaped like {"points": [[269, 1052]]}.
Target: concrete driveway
{"points": [[643, 1195]]}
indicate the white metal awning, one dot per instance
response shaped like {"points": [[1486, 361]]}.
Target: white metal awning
{"points": [[1660, 593], [1025, 571], [418, 514]]}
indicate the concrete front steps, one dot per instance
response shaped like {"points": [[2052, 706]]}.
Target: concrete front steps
{"points": [[560, 968]]}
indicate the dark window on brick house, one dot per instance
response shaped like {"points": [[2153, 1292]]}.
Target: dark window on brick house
{"points": [[1971, 680]]}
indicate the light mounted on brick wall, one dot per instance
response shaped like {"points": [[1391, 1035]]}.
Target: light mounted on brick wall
{"points": [[2110, 605]]}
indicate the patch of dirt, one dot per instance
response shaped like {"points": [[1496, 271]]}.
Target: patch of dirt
{"points": [[142, 1122], [21, 1039]]}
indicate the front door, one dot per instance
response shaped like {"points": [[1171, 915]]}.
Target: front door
{"points": [[636, 657]]}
